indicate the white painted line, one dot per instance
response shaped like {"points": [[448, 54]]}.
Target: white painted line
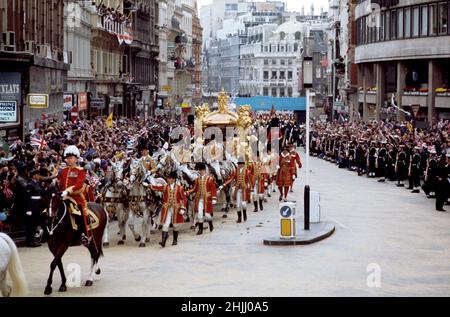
{"points": [[339, 223]]}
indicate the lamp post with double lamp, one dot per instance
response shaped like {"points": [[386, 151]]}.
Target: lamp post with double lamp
{"points": [[307, 71]]}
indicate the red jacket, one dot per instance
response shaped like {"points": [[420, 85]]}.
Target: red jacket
{"points": [[207, 188], [244, 181], [74, 177], [175, 199]]}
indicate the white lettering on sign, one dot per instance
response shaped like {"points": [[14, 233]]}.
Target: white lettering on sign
{"points": [[38, 100], [9, 89], [8, 111]]}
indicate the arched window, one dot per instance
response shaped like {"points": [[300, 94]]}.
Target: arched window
{"points": [[282, 36], [298, 36]]}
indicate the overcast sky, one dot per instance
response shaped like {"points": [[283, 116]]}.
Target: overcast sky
{"points": [[293, 5]]}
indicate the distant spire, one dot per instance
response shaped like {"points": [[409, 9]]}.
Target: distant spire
{"points": [[303, 10], [312, 8]]}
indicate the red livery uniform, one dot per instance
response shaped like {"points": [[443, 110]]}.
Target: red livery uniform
{"points": [[73, 179], [174, 202]]}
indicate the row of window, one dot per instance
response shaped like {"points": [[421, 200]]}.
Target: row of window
{"points": [[275, 62], [277, 75], [406, 22], [274, 93], [280, 48]]}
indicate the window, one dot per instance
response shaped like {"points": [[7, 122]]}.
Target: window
{"points": [[266, 75], [274, 75], [282, 92], [289, 91], [274, 92], [400, 24], [424, 21], [289, 75], [282, 75], [266, 62], [388, 27], [265, 91], [433, 29], [289, 61], [295, 47], [394, 25], [274, 61], [298, 36], [415, 22], [443, 18], [282, 48], [266, 48], [282, 62], [382, 27], [407, 22]]}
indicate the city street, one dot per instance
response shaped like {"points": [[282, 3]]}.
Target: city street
{"points": [[375, 223]]}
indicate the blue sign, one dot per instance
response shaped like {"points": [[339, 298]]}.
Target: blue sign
{"points": [[286, 211]]}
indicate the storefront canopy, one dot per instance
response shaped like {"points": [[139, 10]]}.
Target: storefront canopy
{"points": [[263, 103]]}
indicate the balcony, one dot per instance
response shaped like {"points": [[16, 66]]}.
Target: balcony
{"points": [[442, 98]]}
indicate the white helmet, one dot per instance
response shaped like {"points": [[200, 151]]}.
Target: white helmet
{"points": [[72, 150]]}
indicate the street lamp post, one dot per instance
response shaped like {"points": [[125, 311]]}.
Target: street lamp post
{"points": [[307, 85]]}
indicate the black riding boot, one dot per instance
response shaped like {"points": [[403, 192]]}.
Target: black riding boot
{"points": [[165, 236], [239, 217], [175, 238], [200, 229], [256, 206], [261, 207], [245, 214], [211, 226]]}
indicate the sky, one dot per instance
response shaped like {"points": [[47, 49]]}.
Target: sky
{"points": [[292, 5]]}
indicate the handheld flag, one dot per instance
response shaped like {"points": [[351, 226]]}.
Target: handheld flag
{"points": [[109, 121]]}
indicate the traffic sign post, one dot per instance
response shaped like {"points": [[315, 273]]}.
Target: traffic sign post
{"points": [[287, 220]]}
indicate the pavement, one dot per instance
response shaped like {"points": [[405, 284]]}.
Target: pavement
{"points": [[388, 242]]}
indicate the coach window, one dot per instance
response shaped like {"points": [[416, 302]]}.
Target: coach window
{"points": [[443, 18]]}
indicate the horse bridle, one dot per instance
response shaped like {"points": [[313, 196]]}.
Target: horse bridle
{"points": [[52, 230]]}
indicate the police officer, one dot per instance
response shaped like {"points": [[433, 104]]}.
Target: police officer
{"points": [[400, 166], [441, 183], [414, 171], [371, 168], [381, 163], [429, 186], [33, 208]]}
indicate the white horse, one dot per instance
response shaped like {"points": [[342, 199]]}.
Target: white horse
{"points": [[137, 201], [10, 261], [113, 201]]}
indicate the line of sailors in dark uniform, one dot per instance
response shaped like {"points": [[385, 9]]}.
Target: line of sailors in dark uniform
{"points": [[390, 161]]}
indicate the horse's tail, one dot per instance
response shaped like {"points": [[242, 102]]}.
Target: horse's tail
{"points": [[20, 287]]}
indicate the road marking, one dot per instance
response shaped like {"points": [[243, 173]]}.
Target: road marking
{"points": [[339, 223]]}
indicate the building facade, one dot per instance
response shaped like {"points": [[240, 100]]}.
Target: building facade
{"points": [[32, 60], [271, 60], [140, 60], [77, 42], [179, 60], [403, 51]]}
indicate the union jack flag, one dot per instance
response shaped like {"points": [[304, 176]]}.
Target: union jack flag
{"points": [[38, 141], [6, 190], [93, 180]]}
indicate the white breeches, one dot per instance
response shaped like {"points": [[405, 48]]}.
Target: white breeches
{"points": [[168, 221], [240, 204], [201, 214], [256, 195]]}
